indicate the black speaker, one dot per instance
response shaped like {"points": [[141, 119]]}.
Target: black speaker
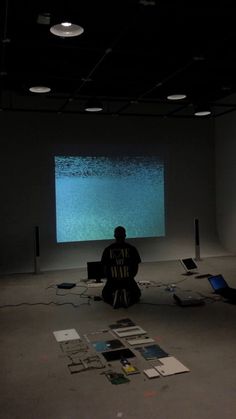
{"points": [[37, 245], [197, 239], [196, 228]]}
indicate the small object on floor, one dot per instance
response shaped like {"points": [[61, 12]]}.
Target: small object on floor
{"points": [[94, 284], [64, 335], [170, 365], [124, 332], [124, 361], [140, 341], [152, 352], [116, 355], [101, 346], [171, 287], [151, 373], [116, 377], [146, 283], [105, 334], [128, 368], [122, 323], [66, 285], [89, 363], [187, 299], [74, 368], [74, 346], [125, 322]]}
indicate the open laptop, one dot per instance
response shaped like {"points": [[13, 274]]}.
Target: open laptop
{"points": [[221, 287], [189, 266]]}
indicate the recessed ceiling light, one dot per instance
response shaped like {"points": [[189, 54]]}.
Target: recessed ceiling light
{"points": [[176, 97], [66, 24], [66, 30], [40, 89], [202, 113], [93, 105], [93, 109]]}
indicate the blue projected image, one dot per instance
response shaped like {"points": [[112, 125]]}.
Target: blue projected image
{"points": [[95, 194]]}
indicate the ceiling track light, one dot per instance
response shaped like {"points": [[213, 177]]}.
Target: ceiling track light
{"points": [[179, 96], [66, 30], [202, 113], [40, 89], [203, 110], [93, 105]]}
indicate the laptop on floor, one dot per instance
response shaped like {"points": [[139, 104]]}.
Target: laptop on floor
{"points": [[221, 287]]}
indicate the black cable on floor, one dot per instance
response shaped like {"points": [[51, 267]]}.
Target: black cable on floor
{"points": [[45, 304]]}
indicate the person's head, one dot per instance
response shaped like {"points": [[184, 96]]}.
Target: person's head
{"points": [[120, 234]]}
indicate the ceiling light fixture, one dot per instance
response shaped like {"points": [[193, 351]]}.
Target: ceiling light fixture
{"points": [[40, 89], [202, 113], [176, 97], [66, 30], [93, 105], [202, 110]]}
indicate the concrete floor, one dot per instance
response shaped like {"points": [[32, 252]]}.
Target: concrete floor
{"points": [[35, 379]]}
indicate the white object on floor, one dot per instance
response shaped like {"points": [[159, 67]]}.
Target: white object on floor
{"points": [[64, 335], [123, 332], [151, 373], [95, 284], [170, 365], [140, 341]]}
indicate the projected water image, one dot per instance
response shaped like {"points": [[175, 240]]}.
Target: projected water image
{"points": [[95, 194]]}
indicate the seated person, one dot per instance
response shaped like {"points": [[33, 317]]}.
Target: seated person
{"points": [[120, 263]]}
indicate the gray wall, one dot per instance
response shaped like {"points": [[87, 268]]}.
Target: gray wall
{"points": [[225, 140], [28, 144]]}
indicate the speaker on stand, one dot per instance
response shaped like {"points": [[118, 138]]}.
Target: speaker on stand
{"points": [[36, 250], [197, 239]]}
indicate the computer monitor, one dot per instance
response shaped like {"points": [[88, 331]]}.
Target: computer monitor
{"points": [[189, 265], [95, 271]]}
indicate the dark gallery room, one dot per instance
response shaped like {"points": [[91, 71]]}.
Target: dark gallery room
{"points": [[118, 210]]}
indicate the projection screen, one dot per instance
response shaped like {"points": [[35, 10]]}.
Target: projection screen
{"points": [[94, 194]]}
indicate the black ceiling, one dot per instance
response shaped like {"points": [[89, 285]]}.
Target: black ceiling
{"points": [[131, 56]]}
